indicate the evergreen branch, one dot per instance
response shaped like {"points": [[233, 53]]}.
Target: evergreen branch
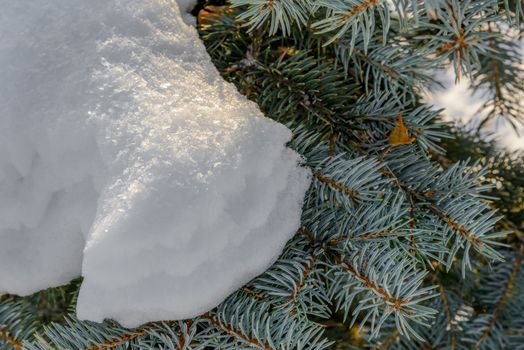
{"points": [[307, 86], [503, 297], [249, 290], [397, 303], [17, 321], [75, 334], [356, 17], [387, 69], [370, 235], [357, 9], [474, 240], [292, 285], [182, 337], [179, 335], [6, 336], [465, 204], [281, 14], [421, 197], [375, 284], [341, 180], [460, 36], [385, 292], [458, 44], [399, 71], [238, 334], [122, 339], [303, 277], [337, 186], [366, 215]]}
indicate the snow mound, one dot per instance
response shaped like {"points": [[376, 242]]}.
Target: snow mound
{"points": [[121, 139]]}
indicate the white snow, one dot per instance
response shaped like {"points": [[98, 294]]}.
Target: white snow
{"points": [[119, 138]]}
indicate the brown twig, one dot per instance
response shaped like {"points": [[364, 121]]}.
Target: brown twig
{"points": [[335, 241], [268, 5], [237, 333], [390, 71], [441, 215], [336, 185], [182, 338], [113, 343], [7, 337], [357, 9], [256, 295], [303, 277], [455, 225], [458, 45], [397, 303]]}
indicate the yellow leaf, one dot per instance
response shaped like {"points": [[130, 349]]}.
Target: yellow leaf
{"points": [[400, 134]]}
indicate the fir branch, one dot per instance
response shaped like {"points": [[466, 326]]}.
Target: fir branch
{"points": [[257, 295], [370, 235], [387, 69], [395, 302], [370, 271], [474, 240], [458, 44], [501, 303], [335, 185], [357, 9], [5, 335], [356, 17], [17, 321], [479, 243], [237, 333], [280, 14], [343, 180], [460, 36], [312, 87], [122, 339], [482, 244], [303, 277], [182, 336]]}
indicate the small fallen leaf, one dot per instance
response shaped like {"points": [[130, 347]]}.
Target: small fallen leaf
{"points": [[400, 134]]}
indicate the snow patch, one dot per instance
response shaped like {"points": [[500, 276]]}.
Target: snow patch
{"points": [[121, 139]]}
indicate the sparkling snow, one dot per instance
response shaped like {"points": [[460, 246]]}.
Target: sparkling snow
{"points": [[120, 140]]}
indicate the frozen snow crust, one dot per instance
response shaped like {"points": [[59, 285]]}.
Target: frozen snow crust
{"points": [[126, 157]]}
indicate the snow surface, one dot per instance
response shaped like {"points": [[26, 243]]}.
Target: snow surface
{"points": [[119, 139]]}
